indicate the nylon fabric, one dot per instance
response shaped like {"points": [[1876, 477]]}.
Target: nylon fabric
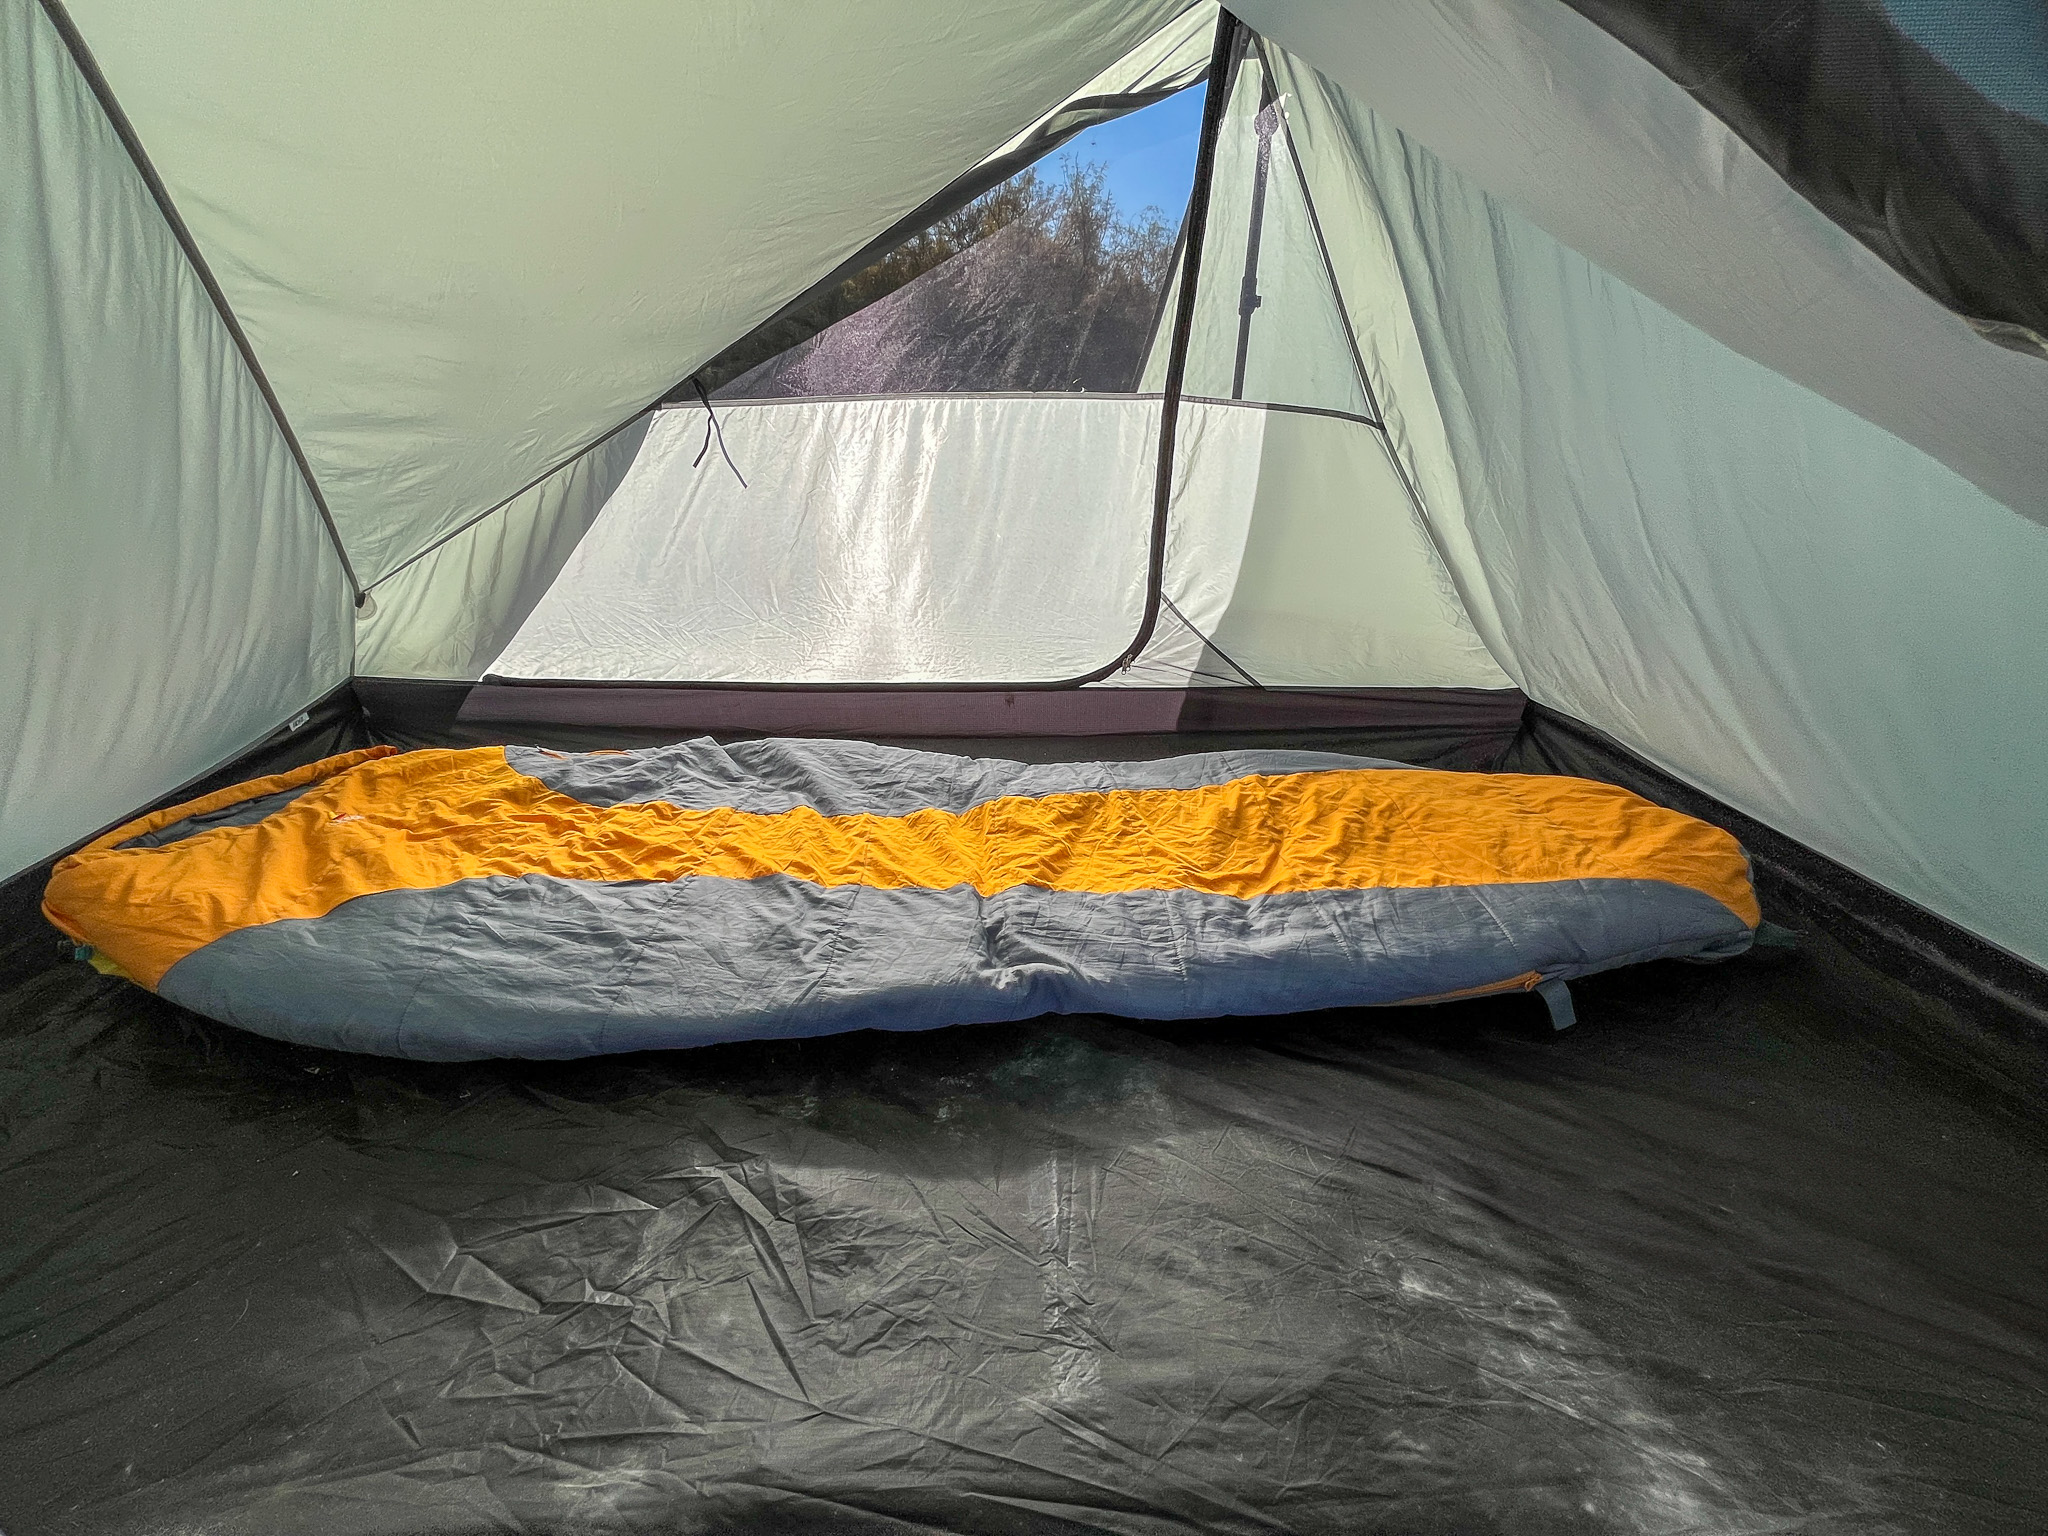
{"points": [[600, 967], [911, 540], [167, 592], [1339, 583], [1296, 351], [1753, 588], [857, 778], [449, 614], [1173, 58], [1293, 548], [1920, 127], [429, 819], [874, 541], [467, 239], [1573, 130]]}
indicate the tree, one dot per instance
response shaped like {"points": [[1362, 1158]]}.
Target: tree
{"points": [[1041, 284]]}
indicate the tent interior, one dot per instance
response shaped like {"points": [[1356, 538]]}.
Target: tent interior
{"points": [[1643, 393]]}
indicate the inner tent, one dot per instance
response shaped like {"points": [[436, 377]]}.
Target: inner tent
{"points": [[1028, 463]]}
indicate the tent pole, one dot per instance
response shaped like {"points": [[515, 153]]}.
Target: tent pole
{"points": [[1230, 33], [1248, 299]]}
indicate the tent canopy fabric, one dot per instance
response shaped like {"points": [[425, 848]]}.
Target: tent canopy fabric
{"points": [[466, 240], [168, 594]]}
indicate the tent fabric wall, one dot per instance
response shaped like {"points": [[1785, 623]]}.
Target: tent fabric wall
{"points": [[1336, 583], [1920, 126], [168, 594], [1742, 581], [1173, 58], [1586, 138], [466, 239], [1295, 559], [1297, 352], [449, 613], [919, 539], [972, 539]]}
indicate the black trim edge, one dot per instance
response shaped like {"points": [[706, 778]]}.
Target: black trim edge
{"points": [[945, 710], [1223, 58]]}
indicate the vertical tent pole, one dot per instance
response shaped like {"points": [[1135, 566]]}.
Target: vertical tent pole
{"points": [[1248, 299], [1229, 35]]}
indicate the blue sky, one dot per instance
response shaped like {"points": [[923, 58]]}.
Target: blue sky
{"points": [[1996, 45], [1149, 155]]}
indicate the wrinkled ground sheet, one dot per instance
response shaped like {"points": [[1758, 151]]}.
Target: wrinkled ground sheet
{"points": [[1756, 1248]]}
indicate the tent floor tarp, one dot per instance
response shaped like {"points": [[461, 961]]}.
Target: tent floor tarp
{"points": [[1758, 1247]]}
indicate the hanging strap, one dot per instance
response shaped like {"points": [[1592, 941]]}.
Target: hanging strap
{"points": [[1557, 997], [711, 428]]}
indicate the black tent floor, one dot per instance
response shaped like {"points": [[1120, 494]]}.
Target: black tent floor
{"points": [[1756, 1248]]}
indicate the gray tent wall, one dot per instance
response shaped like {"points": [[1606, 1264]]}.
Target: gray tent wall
{"points": [[168, 593]]}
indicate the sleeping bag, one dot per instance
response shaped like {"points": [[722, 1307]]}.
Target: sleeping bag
{"points": [[508, 901]]}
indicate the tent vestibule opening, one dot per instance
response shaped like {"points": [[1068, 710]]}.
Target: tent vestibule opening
{"points": [[952, 485]]}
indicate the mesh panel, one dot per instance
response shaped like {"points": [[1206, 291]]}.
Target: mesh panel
{"points": [[1048, 283]]}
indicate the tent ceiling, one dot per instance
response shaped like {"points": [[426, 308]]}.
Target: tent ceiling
{"points": [[466, 238]]}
